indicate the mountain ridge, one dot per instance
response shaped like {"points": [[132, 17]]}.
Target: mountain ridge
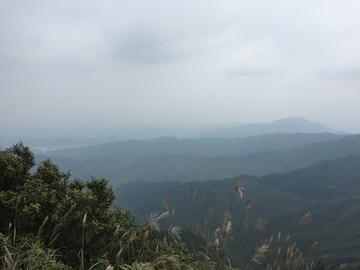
{"points": [[132, 150], [187, 167], [286, 125]]}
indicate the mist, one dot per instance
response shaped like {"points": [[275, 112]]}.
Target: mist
{"points": [[118, 68]]}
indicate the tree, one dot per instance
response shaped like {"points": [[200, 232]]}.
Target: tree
{"points": [[70, 223], [46, 206]]}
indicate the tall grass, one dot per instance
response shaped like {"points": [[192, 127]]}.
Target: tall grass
{"points": [[228, 250]]}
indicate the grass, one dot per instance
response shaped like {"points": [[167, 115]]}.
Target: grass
{"points": [[226, 241]]}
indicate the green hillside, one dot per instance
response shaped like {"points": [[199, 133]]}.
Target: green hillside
{"points": [[328, 189], [129, 151], [191, 167]]}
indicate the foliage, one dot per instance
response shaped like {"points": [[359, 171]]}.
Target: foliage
{"points": [[28, 254], [47, 220]]}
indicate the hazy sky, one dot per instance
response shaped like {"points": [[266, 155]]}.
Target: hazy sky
{"points": [[99, 64]]}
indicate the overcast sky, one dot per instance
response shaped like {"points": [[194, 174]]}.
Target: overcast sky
{"points": [[69, 65]]}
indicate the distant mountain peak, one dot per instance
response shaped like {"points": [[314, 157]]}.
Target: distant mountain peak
{"points": [[297, 120], [292, 119], [294, 124]]}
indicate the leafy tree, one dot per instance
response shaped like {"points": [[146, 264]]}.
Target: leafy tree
{"points": [[70, 223], [45, 205], [15, 163]]}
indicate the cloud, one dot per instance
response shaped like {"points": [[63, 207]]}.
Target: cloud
{"points": [[161, 61], [143, 46], [246, 72], [352, 73]]}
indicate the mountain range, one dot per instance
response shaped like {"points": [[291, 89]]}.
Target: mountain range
{"points": [[286, 125], [166, 159]]}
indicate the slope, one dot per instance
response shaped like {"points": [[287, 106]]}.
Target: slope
{"points": [[188, 167], [328, 189], [286, 125], [133, 150]]}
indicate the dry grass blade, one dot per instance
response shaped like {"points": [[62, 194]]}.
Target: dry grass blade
{"points": [[165, 202], [306, 218], [119, 253], [83, 243], [229, 226], [146, 266], [246, 209], [138, 266], [58, 226], [261, 224], [239, 190], [84, 219], [219, 239], [9, 262], [342, 266], [227, 218], [132, 238], [192, 193], [146, 235], [287, 239], [174, 232], [71, 209], [259, 254], [152, 220], [174, 260], [116, 230], [42, 225], [18, 199], [248, 204], [166, 214], [168, 261], [209, 188], [313, 246], [321, 260]]}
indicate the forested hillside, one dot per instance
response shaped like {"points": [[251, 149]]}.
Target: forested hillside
{"points": [[168, 159], [329, 190]]}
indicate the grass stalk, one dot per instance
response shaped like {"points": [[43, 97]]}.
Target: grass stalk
{"points": [[82, 267]]}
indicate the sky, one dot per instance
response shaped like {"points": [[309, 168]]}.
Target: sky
{"points": [[67, 66]]}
